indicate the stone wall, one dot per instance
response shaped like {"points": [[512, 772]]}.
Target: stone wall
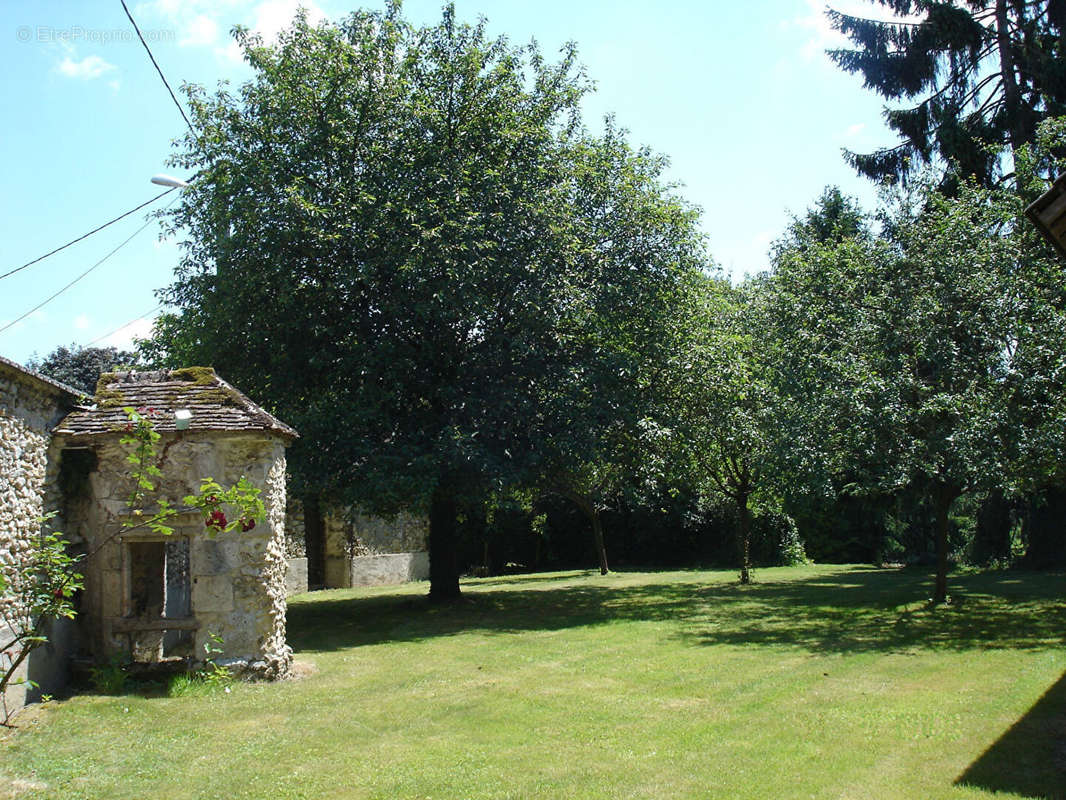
{"points": [[388, 568], [29, 407], [364, 550], [296, 577], [228, 585]]}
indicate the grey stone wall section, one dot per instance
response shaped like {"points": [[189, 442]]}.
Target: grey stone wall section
{"points": [[389, 569], [29, 407], [404, 533], [354, 539], [296, 577]]}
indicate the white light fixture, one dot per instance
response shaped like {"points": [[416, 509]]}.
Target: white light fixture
{"points": [[182, 417], [167, 180]]}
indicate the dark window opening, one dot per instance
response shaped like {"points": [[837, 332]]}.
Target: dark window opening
{"points": [[159, 579], [160, 589], [147, 581]]}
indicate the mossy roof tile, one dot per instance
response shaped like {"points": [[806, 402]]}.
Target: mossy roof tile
{"points": [[215, 405]]}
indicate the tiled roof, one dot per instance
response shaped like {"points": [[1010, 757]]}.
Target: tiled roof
{"points": [[214, 404], [38, 378]]}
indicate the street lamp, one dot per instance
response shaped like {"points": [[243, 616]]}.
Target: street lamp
{"points": [[167, 180]]}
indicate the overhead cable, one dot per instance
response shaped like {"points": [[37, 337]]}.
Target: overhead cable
{"points": [[123, 327], [157, 69], [86, 235], [43, 303]]}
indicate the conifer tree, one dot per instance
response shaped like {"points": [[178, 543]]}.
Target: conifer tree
{"points": [[974, 79]]}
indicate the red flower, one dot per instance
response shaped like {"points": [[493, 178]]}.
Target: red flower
{"points": [[212, 500], [216, 520], [58, 593], [247, 524]]}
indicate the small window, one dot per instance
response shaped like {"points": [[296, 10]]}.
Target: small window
{"points": [[147, 582], [177, 599], [159, 579], [159, 589]]}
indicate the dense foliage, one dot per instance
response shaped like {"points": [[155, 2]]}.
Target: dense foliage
{"points": [[405, 243], [926, 359]]}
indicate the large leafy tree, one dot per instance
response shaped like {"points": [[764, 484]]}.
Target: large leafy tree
{"points": [[642, 253], [727, 428], [391, 240], [968, 80], [81, 367], [927, 358]]}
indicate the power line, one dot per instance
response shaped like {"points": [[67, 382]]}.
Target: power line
{"points": [[90, 269], [85, 236], [157, 69], [123, 327]]}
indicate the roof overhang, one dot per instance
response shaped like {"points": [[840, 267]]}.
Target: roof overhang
{"points": [[1048, 213]]}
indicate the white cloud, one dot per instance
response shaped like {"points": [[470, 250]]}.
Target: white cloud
{"points": [[203, 23], [854, 130], [273, 16], [82, 322], [269, 19], [819, 31], [168, 8], [201, 30], [231, 53], [86, 69], [123, 339]]}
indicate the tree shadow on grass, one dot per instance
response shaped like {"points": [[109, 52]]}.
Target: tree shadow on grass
{"points": [[1030, 758], [885, 611], [855, 610]]}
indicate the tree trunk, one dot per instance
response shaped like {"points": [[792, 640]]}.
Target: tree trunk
{"points": [[1020, 129], [314, 541], [588, 507], [597, 535], [945, 496], [443, 560], [744, 541]]}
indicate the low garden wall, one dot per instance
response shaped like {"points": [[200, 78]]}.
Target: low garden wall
{"points": [[377, 570]]}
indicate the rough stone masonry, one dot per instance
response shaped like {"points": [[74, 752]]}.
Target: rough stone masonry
{"points": [[30, 406]]}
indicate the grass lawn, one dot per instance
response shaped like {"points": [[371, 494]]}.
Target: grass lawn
{"points": [[822, 682]]}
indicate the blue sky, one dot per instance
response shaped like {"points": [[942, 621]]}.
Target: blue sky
{"points": [[739, 96]]}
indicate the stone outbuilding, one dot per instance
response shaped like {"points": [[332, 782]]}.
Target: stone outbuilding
{"points": [[153, 597]]}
